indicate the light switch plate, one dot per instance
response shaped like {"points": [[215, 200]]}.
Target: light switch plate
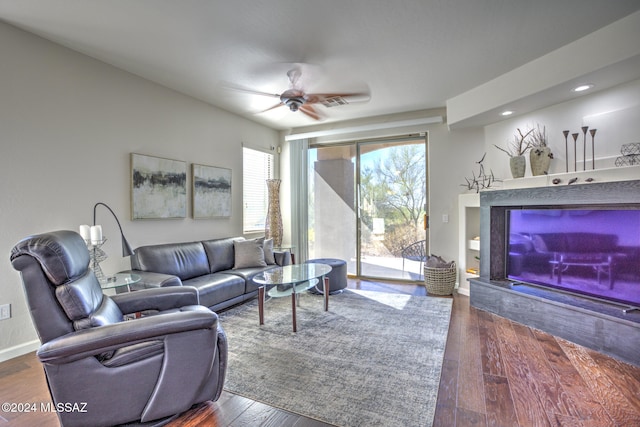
{"points": [[5, 311]]}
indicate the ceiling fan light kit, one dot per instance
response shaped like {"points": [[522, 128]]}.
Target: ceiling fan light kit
{"points": [[294, 103]]}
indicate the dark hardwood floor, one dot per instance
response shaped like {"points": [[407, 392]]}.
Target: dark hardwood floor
{"points": [[495, 373]]}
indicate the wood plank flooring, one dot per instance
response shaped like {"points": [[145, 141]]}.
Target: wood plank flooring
{"points": [[495, 373]]}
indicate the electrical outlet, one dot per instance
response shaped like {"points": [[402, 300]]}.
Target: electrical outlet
{"points": [[5, 311]]}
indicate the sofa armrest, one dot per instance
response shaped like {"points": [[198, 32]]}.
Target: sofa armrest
{"points": [[160, 299], [91, 342], [149, 279], [282, 257]]}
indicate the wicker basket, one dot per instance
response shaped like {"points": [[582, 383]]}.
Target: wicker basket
{"points": [[440, 281]]}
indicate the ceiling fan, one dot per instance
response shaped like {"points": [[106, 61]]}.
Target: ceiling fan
{"points": [[296, 99]]}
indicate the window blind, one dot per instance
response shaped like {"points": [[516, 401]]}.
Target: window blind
{"points": [[257, 167]]}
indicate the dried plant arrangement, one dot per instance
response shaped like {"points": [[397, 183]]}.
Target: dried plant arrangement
{"points": [[519, 146], [482, 181], [538, 137]]}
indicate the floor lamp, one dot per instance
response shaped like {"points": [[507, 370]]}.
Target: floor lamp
{"points": [[94, 239], [126, 247]]}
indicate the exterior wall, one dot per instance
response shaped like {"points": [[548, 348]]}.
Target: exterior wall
{"points": [[334, 199]]}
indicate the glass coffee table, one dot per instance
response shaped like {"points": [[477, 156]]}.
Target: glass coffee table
{"points": [[291, 280]]}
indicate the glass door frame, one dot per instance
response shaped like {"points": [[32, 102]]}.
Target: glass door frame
{"points": [[391, 141], [357, 146]]}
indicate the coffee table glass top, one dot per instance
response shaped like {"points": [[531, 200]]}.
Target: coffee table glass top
{"points": [[289, 279]]}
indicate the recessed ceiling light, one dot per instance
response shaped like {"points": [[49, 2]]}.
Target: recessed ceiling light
{"points": [[582, 88], [506, 113]]}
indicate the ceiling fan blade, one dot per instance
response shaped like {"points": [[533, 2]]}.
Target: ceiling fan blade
{"points": [[279, 104], [252, 91], [311, 112], [335, 99]]}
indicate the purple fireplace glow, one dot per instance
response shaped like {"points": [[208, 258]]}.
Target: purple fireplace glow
{"points": [[594, 252]]}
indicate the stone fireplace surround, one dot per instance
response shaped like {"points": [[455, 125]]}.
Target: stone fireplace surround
{"points": [[599, 325]]}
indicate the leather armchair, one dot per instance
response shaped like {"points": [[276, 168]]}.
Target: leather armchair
{"points": [[103, 369]]}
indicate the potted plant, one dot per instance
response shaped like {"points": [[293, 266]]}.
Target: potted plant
{"points": [[516, 150], [540, 154]]}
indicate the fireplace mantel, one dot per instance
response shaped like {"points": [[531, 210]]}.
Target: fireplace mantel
{"points": [[626, 173], [596, 324]]}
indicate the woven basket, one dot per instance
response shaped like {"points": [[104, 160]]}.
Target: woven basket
{"points": [[440, 281]]}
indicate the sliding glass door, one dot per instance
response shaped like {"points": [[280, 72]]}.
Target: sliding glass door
{"points": [[392, 205], [368, 203]]}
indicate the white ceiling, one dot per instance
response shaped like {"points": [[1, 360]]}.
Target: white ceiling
{"points": [[411, 54]]}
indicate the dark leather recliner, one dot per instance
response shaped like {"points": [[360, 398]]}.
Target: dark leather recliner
{"points": [[103, 370]]}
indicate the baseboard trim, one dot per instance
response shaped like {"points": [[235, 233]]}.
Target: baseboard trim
{"points": [[19, 350], [464, 291]]}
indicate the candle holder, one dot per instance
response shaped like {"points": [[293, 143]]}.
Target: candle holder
{"points": [[566, 149], [575, 151], [593, 150], [96, 256], [584, 147]]}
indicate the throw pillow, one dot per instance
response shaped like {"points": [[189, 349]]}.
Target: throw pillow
{"points": [[248, 253], [267, 246]]}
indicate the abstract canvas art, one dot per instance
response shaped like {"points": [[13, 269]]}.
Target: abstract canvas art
{"points": [[211, 191], [158, 187]]}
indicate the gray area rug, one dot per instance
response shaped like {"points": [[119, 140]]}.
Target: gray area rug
{"points": [[374, 359]]}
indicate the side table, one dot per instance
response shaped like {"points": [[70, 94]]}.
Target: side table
{"points": [[120, 279]]}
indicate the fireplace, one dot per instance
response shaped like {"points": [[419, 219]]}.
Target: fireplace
{"points": [[566, 260]]}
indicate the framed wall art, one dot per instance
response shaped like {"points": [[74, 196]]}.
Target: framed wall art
{"points": [[158, 187], [211, 191]]}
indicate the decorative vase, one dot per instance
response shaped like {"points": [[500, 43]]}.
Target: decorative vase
{"points": [[273, 224], [540, 159], [518, 166]]}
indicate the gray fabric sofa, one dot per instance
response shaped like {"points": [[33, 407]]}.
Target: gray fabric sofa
{"points": [[220, 269]]}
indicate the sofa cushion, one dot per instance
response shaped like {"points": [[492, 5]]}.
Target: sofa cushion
{"points": [[550, 242], [575, 242], [220, 253], [247, 274], [217, 287], [523, 244], [248, 253], [185, 260], [588, 242]]}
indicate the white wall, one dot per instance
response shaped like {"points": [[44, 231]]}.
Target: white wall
{"points": [[68, 124], [452, 157]]}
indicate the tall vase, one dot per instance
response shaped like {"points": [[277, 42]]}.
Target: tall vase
{"points": [[273, 224], [518, 166]]}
